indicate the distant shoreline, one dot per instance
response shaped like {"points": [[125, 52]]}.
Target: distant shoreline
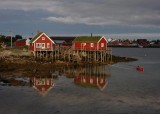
{"points": [[135, 46]]}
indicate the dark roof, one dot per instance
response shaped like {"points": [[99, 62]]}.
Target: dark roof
{"points": [[87, 39], [59, 41], [20, 40], [63, 37], [67, 39]]}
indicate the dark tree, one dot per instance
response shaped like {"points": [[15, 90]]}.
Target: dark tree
{"points": [[18, 37], [2, 38]]}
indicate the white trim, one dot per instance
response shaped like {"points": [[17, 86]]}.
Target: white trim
{"points": [[97, 46], [91, 44], [43, 38], [48, 45], [101, 38], [102, 44], [46, 36], [34, 46], [40, 45], [105, 85], [43, 45]]}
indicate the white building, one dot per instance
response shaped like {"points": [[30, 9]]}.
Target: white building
{"points": [[28, 41]]}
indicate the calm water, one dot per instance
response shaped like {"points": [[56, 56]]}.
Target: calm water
{"points": [[111, 89]]}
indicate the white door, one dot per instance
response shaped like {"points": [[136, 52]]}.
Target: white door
{"points": [[43, 46]]}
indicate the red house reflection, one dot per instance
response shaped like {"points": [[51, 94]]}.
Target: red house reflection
{"points": [[95, 81], [42, 85]]}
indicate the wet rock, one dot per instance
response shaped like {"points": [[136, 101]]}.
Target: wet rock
{"points": [[12, 81]]}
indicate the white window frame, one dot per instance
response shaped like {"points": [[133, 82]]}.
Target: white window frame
{"points": [[43, 38], [48, 82], [91, 81], [38, 45], [40, 82], [42, 45], [92, 44], [84, 80], [48, 45], [102, 44]]}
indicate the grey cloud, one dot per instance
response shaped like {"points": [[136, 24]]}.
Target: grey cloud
{"points": [[93, 12]]}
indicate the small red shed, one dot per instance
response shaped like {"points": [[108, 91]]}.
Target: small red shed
{"points": [[89, 43], [41, 42], [20, 42]]}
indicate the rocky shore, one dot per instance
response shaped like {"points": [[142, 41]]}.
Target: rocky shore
{"points": [[23, 56], [11, 60]]}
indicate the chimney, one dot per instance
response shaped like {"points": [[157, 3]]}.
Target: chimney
{"points": [[91, 34]]}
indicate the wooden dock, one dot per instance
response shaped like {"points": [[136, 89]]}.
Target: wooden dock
{"points": [[67, 54]]}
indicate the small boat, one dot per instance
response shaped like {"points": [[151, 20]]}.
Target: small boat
{"points": [[139, 68]]}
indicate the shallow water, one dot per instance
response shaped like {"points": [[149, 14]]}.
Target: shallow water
{"points": [[111, 89]]}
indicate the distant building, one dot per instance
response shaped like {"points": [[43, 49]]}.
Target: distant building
{"points": [[28, 41], [20, 42], [63, 41], [142, 42], [67, 39]]}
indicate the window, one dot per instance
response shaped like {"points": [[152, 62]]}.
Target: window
{"points": [[43, 45], [43, 38], [101, 81], [91, 81], [102, 44], [47, 82], [40, 82], [92, 45], [38, 45], [48, 45], [84, 44]]}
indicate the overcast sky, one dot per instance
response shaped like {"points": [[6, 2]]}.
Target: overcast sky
{"points": [[76, 17]]}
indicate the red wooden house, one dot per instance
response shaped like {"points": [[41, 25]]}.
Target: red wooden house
{"points": [[42, 85], [20, 42], [90, 43], [41, 42]]}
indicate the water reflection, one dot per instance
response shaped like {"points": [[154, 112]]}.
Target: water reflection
{"points": [[42, 84], [88, 76], [43, 80], [95, 77]]}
